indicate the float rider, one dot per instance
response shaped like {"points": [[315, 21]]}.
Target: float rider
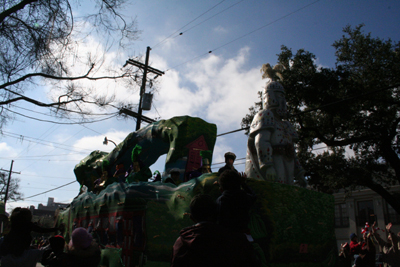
{"points": [[138, 172], [229, 160]]}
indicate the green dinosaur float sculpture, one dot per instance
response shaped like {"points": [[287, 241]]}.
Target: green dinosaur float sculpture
{"points": [[181, 138]]}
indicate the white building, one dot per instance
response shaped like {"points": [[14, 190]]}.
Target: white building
{"points": [[361, 206]]}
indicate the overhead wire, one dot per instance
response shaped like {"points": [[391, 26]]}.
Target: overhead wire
{"points": [[43, 176], [202, 14], [48, 160], [10, 135], [56, 122], [84, 126], [218, 163], [40, 143], [40, 156], [33, 139], [266, 25], [46, 133], [194, 26], [46, 144], [67, 110], [323, 106], [247, 34], [50, 190], [62, 148], [157, 111]]}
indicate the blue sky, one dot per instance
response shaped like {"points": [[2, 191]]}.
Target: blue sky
{"points": [[218, 87]]}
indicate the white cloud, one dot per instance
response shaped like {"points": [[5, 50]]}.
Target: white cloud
{"points": [[222, 93], [6, 150], [220, 29], [166, 44], [317, 62]]}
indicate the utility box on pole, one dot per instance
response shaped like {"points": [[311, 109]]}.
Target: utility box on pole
{"points": [[147, 99]]}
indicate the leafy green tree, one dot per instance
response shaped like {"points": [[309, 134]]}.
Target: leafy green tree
{"points": [[351, 110], [40, 46]]}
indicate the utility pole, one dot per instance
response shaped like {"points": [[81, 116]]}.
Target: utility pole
{"points": [[146, 68], [8, 183]]}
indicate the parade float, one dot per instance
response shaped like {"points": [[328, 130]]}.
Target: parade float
{"points": [[137, 223]]}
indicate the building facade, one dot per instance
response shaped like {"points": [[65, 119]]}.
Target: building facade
{"points": [[48, 210], [352, 211]]}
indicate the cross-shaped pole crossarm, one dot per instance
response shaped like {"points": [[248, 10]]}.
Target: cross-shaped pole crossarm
{"points": [[135, 114], [9, 171], [142, 66]]}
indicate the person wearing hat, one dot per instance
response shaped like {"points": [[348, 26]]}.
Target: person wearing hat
{"points": [[206, 156], [82, 251], [138, 171], [229, 160]]}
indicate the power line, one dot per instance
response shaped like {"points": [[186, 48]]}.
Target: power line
{"points": [[52, 160], [50, 190], [41, 143], [43, 134], [234, 131], [62, 148], [44, 201], [83, 113], [41, 156], [211, 17], [42, 176], [33, 139], [45, 144], [225, 162], [249, 33], [56, 122], [266, 25], [188, 23], [84, 126], [67, 110], [181, 33], [157, 111], [323, 106]]}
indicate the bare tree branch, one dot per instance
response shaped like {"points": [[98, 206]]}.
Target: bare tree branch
{"points": [[38, 103], [14, 9], [48, 76]]}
